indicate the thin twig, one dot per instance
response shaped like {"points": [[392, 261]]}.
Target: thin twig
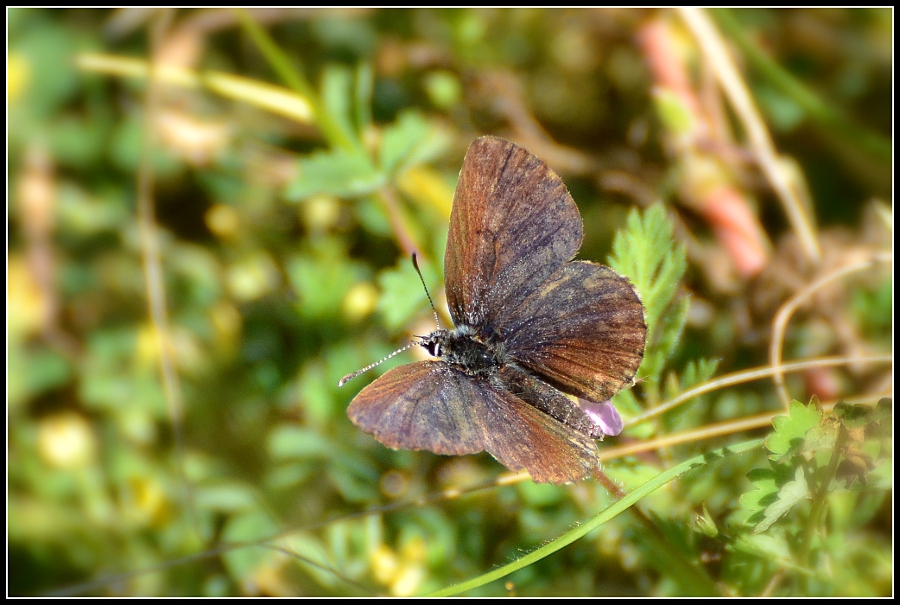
{"points": [[715, 51], [749, 375], [388, 199], [151, 258], [783, 316]]}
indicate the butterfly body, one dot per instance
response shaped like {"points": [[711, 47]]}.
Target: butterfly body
{"points": [[461, 348], [532, 326]]}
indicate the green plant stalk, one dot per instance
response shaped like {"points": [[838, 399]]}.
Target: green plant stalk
{"points": [[817, 510], [276, 99], [833, 121], [608, 514], [294, 79]]}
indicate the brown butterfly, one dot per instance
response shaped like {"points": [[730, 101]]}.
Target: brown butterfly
{"points": [[531, 325]]}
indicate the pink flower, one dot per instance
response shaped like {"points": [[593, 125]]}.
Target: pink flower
{"points": [[604, 416]]}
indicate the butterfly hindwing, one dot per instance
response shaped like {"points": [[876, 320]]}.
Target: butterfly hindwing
{"points": [[432, 406], [524, 437], [583, 331]]}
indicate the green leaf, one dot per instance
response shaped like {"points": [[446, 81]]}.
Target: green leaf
{"points": [[338, 172], [322, 279], [662, 340], [695, 372], [673, 112], [365, 83], [288, 441], [409, 141], [32, 373], [766, 546], [402, 294], [249, 527], [791, 430], [645, 252], [768, 482], [858, 415], [789, 495], [227, 497]]}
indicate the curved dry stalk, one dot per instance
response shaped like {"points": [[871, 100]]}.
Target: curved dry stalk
{"points": [[748, 375], [719, 429], [783, 316], [727, 427], [715, 51]]}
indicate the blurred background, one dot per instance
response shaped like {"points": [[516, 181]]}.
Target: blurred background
{"points": [[194, 264]]}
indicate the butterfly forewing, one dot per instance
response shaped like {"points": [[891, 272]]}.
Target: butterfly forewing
{"points": [[513, 224], [421, 406]]}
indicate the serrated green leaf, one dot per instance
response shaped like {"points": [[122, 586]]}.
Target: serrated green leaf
{"points": [[821, 438], [663, 339], [646, 254], [697, 371], [791, 430], [857, 415], [755, 502], [768, 482]]}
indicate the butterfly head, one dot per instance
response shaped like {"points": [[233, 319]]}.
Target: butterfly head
{"points": [[463, 349]]}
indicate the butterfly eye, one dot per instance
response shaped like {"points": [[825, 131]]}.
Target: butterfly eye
{"points": [[433, 347]]}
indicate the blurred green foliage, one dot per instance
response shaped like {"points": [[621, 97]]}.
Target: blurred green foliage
{"points": [[284, 250]]}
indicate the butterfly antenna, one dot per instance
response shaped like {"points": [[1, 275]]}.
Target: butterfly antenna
{"points": [[427, 293], [353, 375]]}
